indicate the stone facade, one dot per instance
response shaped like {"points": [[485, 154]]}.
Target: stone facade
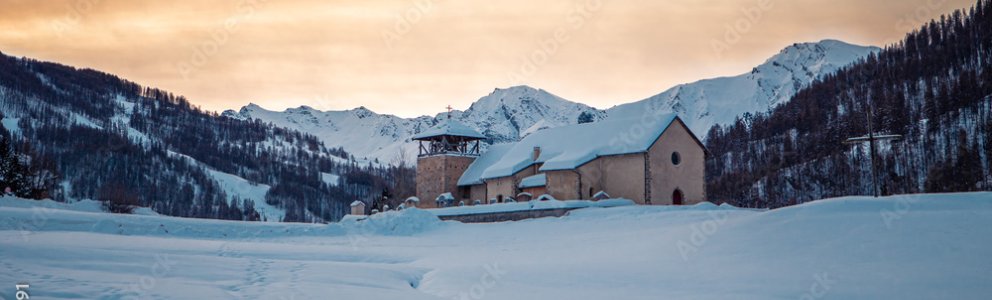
{"points": [[475, 192], [688, 176], [646, 178], [507, 186], [439, 174], [621, 176], [536, 191]]}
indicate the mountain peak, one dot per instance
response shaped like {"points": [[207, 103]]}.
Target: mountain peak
{"points": [[362, 112], [362, 109], [521, 87], [825, 56], [705, 103]]}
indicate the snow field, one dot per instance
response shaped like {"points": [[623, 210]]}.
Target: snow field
{"points": [[902, 247]]}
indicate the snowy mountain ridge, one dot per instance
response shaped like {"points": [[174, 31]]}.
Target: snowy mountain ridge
{"points": [[503, 116], [360, 130], [506, 115], [708, 102]]}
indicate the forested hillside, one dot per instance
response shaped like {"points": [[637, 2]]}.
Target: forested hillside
{"points": [[105, 138], [933, 88]]}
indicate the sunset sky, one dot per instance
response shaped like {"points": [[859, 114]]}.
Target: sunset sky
{"points": [[414, 57]]}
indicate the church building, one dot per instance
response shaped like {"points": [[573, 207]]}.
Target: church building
{"points": [[650, 160]]}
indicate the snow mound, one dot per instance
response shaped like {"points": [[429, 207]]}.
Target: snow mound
{"points": [[81, 205], [405, 222]]}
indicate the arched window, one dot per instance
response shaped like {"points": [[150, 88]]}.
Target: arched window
{"points": [[676, 158], [677, 197]]}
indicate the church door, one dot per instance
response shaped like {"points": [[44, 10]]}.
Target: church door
{"points": [[677, 197]]}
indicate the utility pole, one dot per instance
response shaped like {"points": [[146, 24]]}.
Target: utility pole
{"points": [[871, 138]]}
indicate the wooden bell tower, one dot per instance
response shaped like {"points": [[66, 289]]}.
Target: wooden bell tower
{"points": [[445, 152]]}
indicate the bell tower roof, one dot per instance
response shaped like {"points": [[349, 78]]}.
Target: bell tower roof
{"points": [[449, 127]]}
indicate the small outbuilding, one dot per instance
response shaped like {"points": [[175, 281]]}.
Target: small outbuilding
{"points": [[358, 208]]}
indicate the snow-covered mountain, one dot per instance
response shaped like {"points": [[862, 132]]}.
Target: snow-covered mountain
{"points": [[503, 116], [81, 134], [506, 115], [708, 102], [359, 131]]}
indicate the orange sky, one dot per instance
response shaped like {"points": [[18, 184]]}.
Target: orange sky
{"points": [[414, 57]]}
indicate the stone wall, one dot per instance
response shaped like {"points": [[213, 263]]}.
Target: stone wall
{"points": [[536, 191], [439, 174], [508, 216], [563, 185], [507, 186], [621, 176], [478, 192]]}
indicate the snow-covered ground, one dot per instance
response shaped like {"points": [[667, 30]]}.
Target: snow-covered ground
{"points": [[907, 247], [525, 206]]}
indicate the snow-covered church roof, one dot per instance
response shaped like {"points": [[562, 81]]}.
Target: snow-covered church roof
{"points": [[449, 127], [473, 175], [568, 147]]}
